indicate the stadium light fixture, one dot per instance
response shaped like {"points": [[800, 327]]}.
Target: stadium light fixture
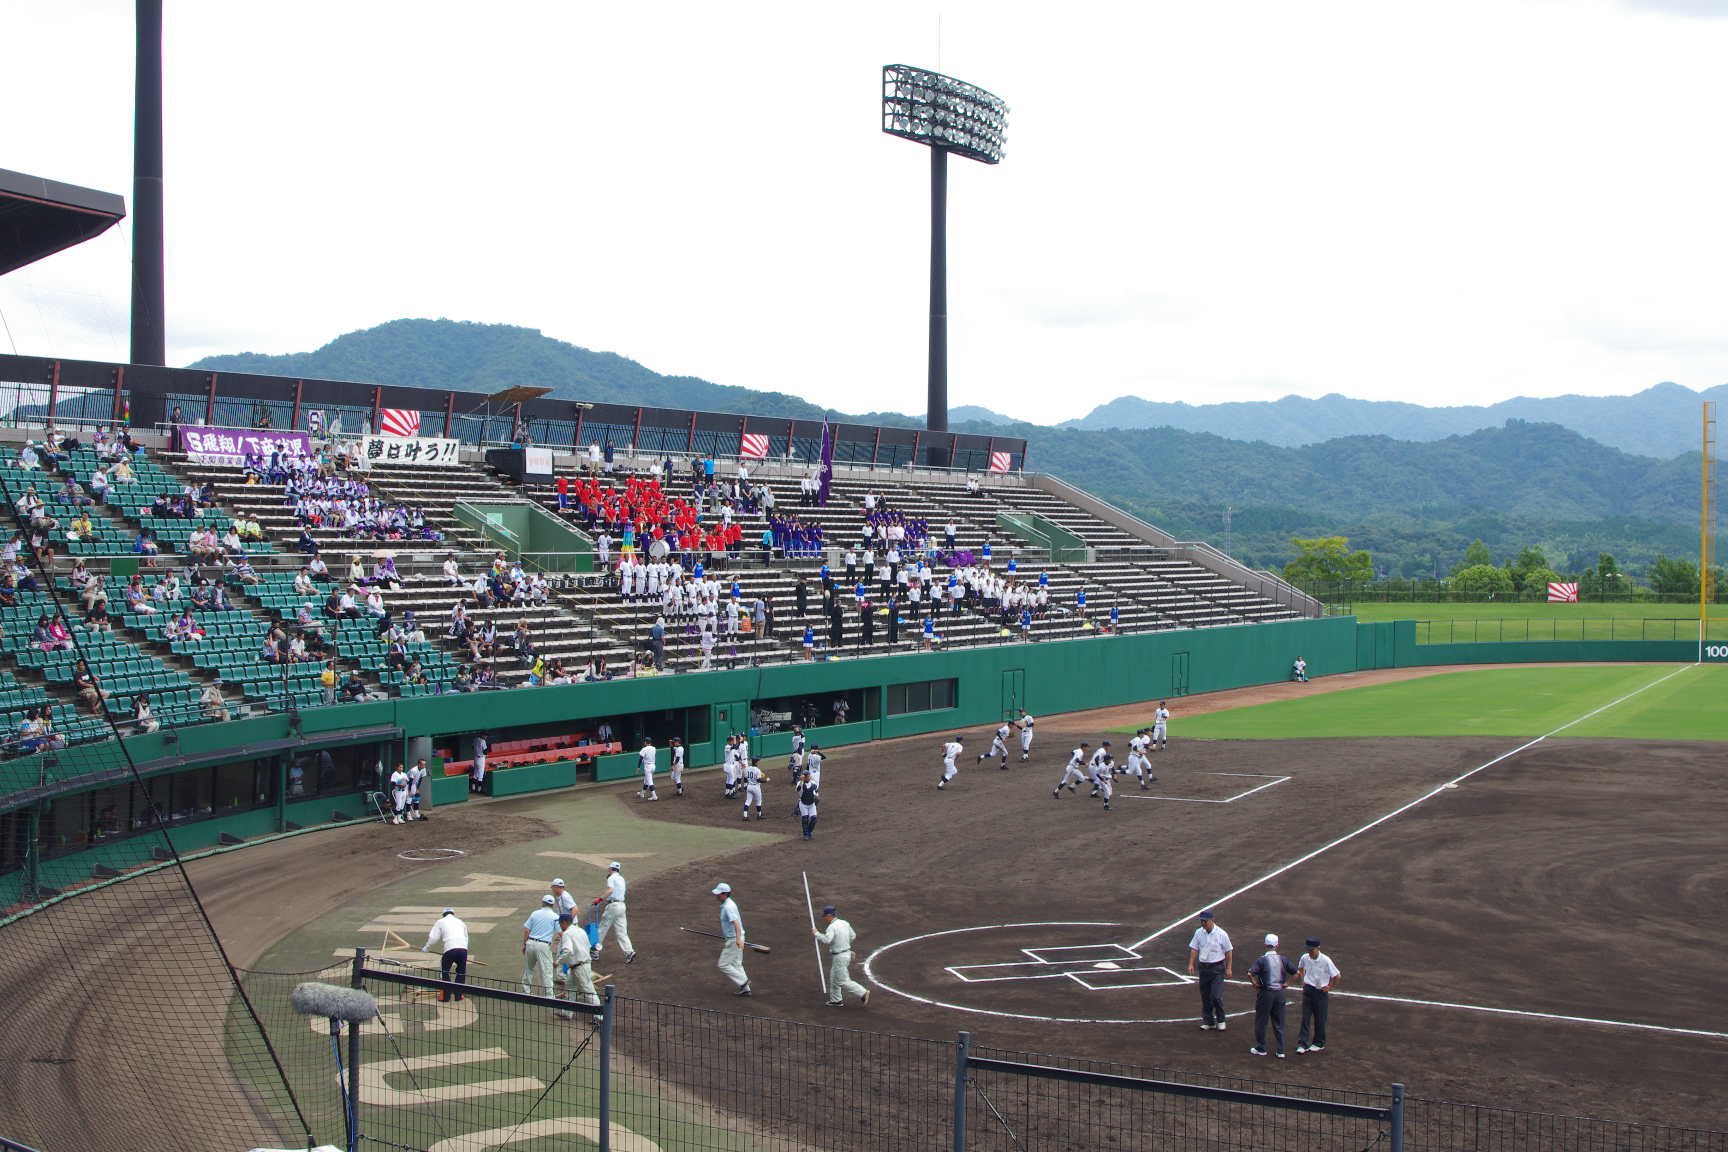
{"points": [[946, 115]]}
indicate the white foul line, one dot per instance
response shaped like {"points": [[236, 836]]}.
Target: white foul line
{"points": [[1279, 871]]}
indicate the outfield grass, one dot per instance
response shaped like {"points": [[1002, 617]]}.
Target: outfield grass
{"points": [[1442, 623], [1510, 702]]}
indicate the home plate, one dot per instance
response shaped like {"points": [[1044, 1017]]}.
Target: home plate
{"points": [[1110, 965]]}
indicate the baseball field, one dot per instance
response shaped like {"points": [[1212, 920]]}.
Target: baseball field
{"points": [[1519, 871]]}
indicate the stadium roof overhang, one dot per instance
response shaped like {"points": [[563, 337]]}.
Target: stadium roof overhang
{"points": [[41, 217]]}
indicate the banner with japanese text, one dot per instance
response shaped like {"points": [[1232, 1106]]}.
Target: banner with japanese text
{"points": [[418, 450], [229, 447]]}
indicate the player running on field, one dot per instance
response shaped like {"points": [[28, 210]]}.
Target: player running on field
{"points": [[1099, 764], [1161, 727], [949, 751], [1025, 725], [1074, 771], [998, 745], [1104, 781]]}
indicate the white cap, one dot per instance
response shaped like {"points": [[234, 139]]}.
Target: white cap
{"points": [[1271, 939], [559, 883], [721, 889], [547, 900], [615, 867]]}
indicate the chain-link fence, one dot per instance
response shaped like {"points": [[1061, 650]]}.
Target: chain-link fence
{"points": [[500, 1067]]}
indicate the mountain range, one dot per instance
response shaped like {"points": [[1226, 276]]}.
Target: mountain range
{"points": [[1413, 485]]}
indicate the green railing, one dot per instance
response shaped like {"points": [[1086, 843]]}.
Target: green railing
{"points": [[1064, 547], [1510, 629]]}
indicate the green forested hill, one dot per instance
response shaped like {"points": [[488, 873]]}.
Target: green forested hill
{"points": [[1415, 504]]}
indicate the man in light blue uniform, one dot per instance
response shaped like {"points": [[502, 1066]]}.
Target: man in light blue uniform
{"points": [[538, 933], [732, 932]]}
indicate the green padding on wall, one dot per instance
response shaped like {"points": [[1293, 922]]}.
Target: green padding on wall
{"points": [[530, 778], [447, 790], [832, 736], [623, 765]]}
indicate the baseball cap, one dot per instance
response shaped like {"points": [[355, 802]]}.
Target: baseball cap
{"points": [[615, 867], [558, 883], [449, 911], [547, 900], [828, 909], [1313, 941], [721, 889], [1271, 939], [565, 917], [1207, 915]]}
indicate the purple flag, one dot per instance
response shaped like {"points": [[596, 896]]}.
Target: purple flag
{"points": [[826, 475]]}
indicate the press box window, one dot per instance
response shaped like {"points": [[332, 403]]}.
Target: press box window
{"points": [[924, 696]]}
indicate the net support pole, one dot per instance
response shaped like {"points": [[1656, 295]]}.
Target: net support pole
{"points": [[1396, 1119], [962, 1060], [357, 981], [607, 1003]]}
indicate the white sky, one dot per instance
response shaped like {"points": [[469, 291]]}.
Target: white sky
{"points": [[1450, 201]]}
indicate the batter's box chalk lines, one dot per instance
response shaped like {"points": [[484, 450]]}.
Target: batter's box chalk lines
{"points": [[1399, 811], [875, 959], [1122, 979], [1272, 782]]}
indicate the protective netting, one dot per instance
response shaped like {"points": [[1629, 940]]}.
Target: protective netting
{"points": [[124, 1029]]}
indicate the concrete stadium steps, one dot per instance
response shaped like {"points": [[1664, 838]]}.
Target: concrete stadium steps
{"points": [[1083, 524]]}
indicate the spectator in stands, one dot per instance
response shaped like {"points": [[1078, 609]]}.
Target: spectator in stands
{"points": [[375, 605], [464, 681], [306, 542], [99, 485], [145, 545], [123, 473], [327, 681], [452, 574], [216, 708], [317, 569], [29, 458], [972, 488], [244, 573], [184, 627], [142, 718], [51, 635], [354, 690], [96, 616], [90, 691], [248, 530], [484, 677], [207, 495]]}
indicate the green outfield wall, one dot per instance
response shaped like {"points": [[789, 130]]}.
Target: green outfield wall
{"points": [[903, 695]]}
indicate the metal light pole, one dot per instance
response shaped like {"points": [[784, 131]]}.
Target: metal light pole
{"points": [[946, 115], [149, 326]]}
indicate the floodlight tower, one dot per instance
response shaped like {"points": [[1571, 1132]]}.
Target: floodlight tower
{"points": [[947, 115]]}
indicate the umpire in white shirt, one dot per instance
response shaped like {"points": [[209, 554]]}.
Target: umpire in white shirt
{"points": [[449, 938], [1209, 950], [838, 935], [1319, 977], [539, 932]]}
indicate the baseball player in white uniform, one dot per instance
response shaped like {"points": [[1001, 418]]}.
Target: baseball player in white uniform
{"points": [[1104, 778], [677, 747], [399, 795], [1026, 723], [1160, 727], [813, 765], [949, 751], [1099, 765], [1139, 757], [799, 742], [729, 765], [416, 780], [1074, 771], [646, 757], [614, 917], [998, 745], [753, 779]]}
